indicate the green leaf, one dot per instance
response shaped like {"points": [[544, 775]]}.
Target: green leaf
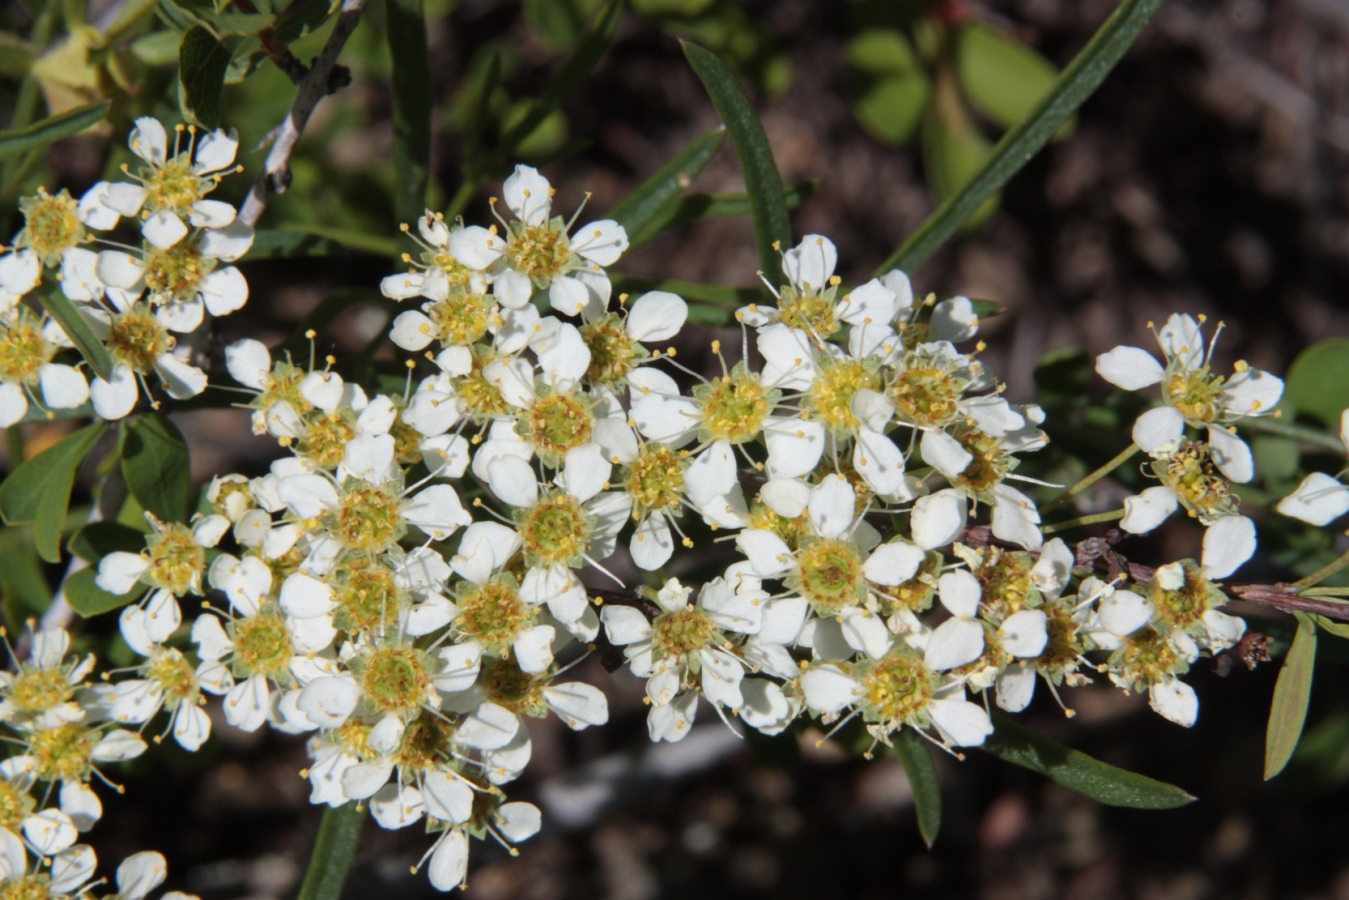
{"points": [[1339, 629], [377, 245], [301, 17], [334, 849], [202, 61], [77, 328], [1083, 75], [156, 466], [662, 189], [697, 207], [38, 490], [38, 136], [97, 539], [1288, 712], [772, 227], [88, 599], [579, 66], [242, 24], [273, 243], [1104, 783], [1001, 77], [954, 149], [16, 55], [1318, 381], [25, 586], [892, 87], [916, 756], [411, 106]]}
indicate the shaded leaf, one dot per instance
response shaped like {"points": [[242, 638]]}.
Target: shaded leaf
{"points": [[893, 89], [1078, 81], [916, 756], [97, 539], [663, 188], [334, 849], [697, 207], [411, 105], [1288, 711], [954, 150], [39, 135], [38, 491], [1001, 77], [1339, 629], [25, 586], [690, 290], [275, 243], [88, 599], [1318, 381], [156, 466], [772, 228], [301, 17], [1113, 786], [202, 61]]}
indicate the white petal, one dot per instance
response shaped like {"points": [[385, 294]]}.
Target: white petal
{"points": [[1131, 368], [963, 723], [487, 728], [226, 244], [656, 316], [163, 229], [528, 195], [225, 291], [13, 404], [1024, 633], [1175, 700], [459, 668], [63, 387], [181, 380], [534, 649], [447, 798], [938, 519], [211, 214], [475, 246], [449, 861], [1159, 430], [624, 625], [712, 473], [794, 446], [119, 571], [437, 511], [49, 831], [828, 690], [811, 262], [945, 453], [1228, 543], [1148, 510], [1318, 500], [893, 563], [246, 704], [1231, 455], [579, 705], [585, 471], [601, 242], [249, 363], [149, 141], [139, 874], [394, 807], [652, 543], [1124, 612], [308, 496], [767, 553], [832, 506], [115, 399], [954, 643], [672, 721], [305, 598], [513, 481], [1016, 687], [215, 151]]}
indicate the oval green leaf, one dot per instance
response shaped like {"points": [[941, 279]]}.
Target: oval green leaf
{"points": [[38, 491], [1318, 381], [1100, 781], [88, 599], [156, 466], [1001, 77], [891, 85], [77, 328], [1288, 712], [954, 150], [772, 227], [202, 62]]}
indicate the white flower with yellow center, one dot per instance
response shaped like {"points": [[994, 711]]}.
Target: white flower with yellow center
{"points": [[539, 253], [685, 651], [174, 182], [168, 680], [1193, 394], [54, 230], [139, 340], [27, 345]]}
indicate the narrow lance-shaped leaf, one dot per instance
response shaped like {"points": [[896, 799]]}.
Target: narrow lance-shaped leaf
{"points": [[772, 227], [334, 849], [914, 753], [1100, 781], [77, 328], [663, 188], [39, 135], [411, 105], [1078, 81], [697, 207], [38, 491], [156, 466], [1288, 712]]}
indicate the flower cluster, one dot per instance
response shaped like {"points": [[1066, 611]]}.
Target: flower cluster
{"points": [[410, 581], [137, 299]]}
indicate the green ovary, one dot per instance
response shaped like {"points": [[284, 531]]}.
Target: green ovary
{"points": [[262, 647], [734, 406], [830, 397], [370, 519], [655, 479], [493, 614], [395, 680], [895, 689], [556, 424], [678, 634], [540, 251], [555, 530], [829, 575], [51, 225], [137, 339]]}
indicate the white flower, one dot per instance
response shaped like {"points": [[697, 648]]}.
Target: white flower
{"points": [[174, 182], [1320, 499], [1193, 394]]}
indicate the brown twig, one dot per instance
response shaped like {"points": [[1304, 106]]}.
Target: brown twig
{"points": [[323, 78], [280, 54], [1099, 555]]}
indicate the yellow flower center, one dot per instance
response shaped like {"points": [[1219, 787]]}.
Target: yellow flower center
{"points": [[540, 251], [829, 575], [137, 339], [734, 406], [655, 480], [555, 424], [174, 275], [51, 225], [554, 530], [176, 560], [369, 519], [830, 396]]}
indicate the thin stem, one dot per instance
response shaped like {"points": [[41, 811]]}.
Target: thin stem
{"points": [[316, 85], [1093, 519], [1272, 425], [334, 848], [1091, 479], [1322, 573]]}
